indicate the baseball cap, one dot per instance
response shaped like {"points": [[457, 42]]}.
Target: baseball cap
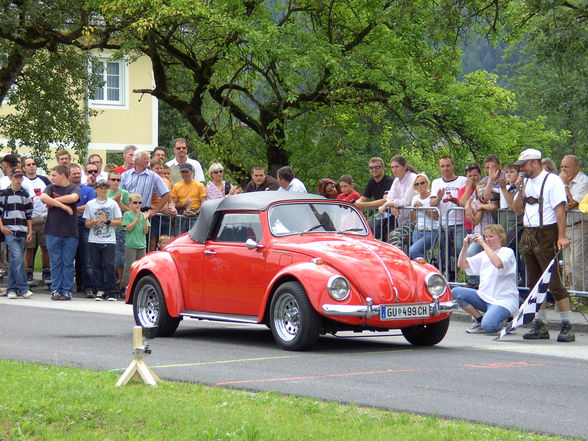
{"points": [[527, 155], [102, 182], [16, 172], [186, 166]]}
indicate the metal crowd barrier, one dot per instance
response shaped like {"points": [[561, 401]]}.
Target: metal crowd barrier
{"points": [[444, 251]]}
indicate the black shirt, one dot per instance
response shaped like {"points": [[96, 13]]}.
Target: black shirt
{"points": [[377, 190]]}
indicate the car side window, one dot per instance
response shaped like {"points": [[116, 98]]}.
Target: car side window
{"points": [[238, 227]]}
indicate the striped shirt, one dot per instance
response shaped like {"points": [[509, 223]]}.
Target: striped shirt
{"points": [[16, 208], [145, 183]]}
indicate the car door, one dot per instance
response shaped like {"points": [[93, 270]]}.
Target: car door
{"points": [[234, 276]]}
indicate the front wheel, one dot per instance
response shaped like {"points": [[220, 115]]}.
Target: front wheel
{"points": [[426, 335], [150, 310], [294, 323]]}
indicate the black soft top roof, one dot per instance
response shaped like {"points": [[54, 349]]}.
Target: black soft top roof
{"points": [[254, 201]]}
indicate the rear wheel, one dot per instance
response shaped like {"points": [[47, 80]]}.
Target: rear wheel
{"points": [[294, 323], [150, 310], [426, 335]]}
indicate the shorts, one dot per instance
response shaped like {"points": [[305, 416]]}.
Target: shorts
{"points": [[38, 233]]}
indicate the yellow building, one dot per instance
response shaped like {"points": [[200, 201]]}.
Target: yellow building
{"points": [[123, 117]]}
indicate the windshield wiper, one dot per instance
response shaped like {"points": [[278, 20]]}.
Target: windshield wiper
{"points": [[349, 230], [308, 230]]}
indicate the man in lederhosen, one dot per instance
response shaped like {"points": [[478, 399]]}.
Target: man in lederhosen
{"points": [[541, 200]]}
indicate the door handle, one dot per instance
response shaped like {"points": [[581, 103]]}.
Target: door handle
{"points": [[209, 252]]}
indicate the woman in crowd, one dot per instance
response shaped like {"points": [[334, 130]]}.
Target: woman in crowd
{"points": [[328, 188], [402, 190], [219, 188], [497, 296], [427, 221]]}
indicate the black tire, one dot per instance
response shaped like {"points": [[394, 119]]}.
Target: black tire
{"points": [[294, 323], [426, 335], [150, 309]]}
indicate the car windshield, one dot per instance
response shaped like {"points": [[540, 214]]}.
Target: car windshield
{"points": [[316, 217]]}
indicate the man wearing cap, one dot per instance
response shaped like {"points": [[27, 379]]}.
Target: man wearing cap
{"points": [[188, 195], [101, 216], [16, 208], [541, 201], [180, 147]]}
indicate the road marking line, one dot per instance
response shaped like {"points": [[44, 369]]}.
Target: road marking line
{"points": [[277, 357], [497, 365]]}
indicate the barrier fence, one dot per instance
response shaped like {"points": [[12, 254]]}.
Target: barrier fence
{"points": [[440, 243]]}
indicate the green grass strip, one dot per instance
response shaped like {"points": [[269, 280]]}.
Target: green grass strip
{"points": [[61, 403]]}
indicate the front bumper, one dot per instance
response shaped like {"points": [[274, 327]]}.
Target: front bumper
{"points": [[369, 310]]}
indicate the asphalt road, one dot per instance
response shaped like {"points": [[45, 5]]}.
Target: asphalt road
{"points": [[535, 386]]}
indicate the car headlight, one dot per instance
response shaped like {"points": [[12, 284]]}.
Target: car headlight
{"points": [[436, 284], [338, 287]]}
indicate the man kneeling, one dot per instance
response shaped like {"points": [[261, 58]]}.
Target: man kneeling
{"points": [[497, 296]]}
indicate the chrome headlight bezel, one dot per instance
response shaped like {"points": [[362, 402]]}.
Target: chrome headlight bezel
{"points": [[436, 284], [338, 287]]}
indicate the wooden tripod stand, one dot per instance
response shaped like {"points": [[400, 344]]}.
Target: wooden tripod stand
{"points": [[138, 369]]}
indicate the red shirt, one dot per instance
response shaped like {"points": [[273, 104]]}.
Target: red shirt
{"points": [[351, 197]]}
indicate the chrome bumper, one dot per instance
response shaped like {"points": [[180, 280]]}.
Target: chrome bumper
{"points": [[369, 310]]}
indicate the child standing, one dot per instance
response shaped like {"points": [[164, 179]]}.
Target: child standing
{"points": [[121, 197], [16, 208], [348, 193], [102, 215], [137, 225]]}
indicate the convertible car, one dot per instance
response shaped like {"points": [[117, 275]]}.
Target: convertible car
{"points": [[299, 263]]}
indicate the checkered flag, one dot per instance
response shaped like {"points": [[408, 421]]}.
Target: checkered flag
{"points": [[532, 303]]}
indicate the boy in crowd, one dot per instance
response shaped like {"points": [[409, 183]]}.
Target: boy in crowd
{"points": [[16, 209], [61, 230], [137, 226], [102, 215], [121, 197]]}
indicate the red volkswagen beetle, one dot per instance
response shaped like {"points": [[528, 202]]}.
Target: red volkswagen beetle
{"points": [[299, 263]]}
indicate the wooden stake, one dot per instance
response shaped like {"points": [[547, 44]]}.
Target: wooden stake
{"points": [[138, 369]]}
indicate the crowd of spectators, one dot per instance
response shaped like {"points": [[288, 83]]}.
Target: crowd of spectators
{"points": [[92, 222]]}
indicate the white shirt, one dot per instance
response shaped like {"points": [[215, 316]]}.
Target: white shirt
{"points": [[401, 193], [451, 187], [578, 189], [295, 185], [198, 173], [498, 286], [424, 222], [35, 187], [554, 193], [102, 233]]}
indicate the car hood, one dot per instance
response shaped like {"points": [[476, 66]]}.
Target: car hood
{"points": [[377, 269]]}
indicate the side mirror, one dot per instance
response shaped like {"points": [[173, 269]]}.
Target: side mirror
{"points": [[251, 244]]}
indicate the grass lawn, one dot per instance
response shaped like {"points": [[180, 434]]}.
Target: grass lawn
{"points": [[58, 403]]}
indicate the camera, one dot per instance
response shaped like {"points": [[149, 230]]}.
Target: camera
{"points": [[470, 238]]}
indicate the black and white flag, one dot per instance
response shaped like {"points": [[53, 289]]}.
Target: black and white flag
{"points": [[532, 303]]}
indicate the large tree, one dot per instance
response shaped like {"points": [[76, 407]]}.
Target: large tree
{"points": [[236, 67]]}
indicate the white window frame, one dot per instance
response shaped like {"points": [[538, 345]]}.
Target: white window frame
{"points": [[122, 102]]}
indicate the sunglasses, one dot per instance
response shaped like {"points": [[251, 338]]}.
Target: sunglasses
{"points": [[136, 202], [375, 167], [472, 167], [92, 172], [30, 165], [416, 184], [115, 180], [181, 148], [216, 172]]}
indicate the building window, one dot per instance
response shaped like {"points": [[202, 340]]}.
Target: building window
{"points": [[111, 87]]}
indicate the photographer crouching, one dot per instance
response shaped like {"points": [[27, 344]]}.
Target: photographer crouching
{"points": [[497, 297]]}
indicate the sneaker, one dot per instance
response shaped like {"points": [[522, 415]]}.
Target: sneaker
{"points": [[12, 295], [100, 296], [476, 328], [55, 295], [539, 331], [566, 334], [3, 293], [89, 293], [66, 296], [111, 299], [27, 294]]}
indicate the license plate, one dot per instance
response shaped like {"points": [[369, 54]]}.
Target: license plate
{"points": [[404, 311]]}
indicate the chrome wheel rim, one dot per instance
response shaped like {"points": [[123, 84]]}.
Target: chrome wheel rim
{"points": [[148, 306], [287, 317]]}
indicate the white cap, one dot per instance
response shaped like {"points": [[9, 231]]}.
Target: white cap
{"points": [[527, 155]]}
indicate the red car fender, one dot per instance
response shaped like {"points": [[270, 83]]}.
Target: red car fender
{"points": [[421, 270], [313, 278], [161, 265]]}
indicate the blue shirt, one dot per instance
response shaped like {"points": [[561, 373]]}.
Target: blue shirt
{"points": [[87, 193]]}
